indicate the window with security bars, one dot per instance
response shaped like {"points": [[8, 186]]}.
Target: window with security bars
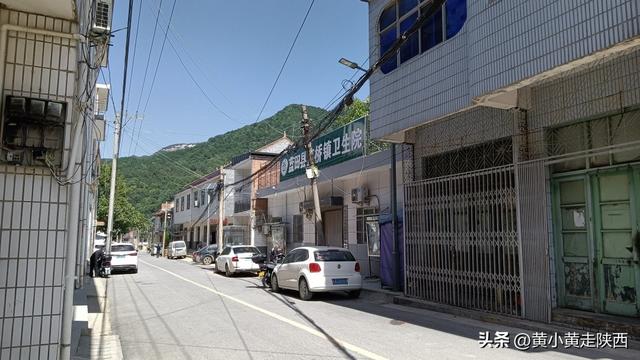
{"points": [[483, 156], [613, 140]]}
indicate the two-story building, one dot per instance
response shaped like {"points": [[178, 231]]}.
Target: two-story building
{"points": [[524, 123], [161, 223], [198, 203]]}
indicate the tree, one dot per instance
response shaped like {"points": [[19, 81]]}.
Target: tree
{"points": [[355, 111], [125, 215]]}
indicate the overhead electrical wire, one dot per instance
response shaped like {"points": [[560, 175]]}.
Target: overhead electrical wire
{"points": [[284, 63], [146, 68]]}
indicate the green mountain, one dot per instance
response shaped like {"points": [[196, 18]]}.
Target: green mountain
{"points": [[156, 178]]}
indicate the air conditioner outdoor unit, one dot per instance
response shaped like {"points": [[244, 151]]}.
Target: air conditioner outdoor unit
{"points": [[359, 194], [102, 17]]}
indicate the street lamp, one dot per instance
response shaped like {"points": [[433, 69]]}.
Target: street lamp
{"points": [[351, 64]]}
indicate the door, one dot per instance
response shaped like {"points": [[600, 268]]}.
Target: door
{"points": [[597, 239], [333, 228], [573, 239], [285, 270], [616, 234]]}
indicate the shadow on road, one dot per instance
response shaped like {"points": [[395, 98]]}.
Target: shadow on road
{"points": [[292, 305]]}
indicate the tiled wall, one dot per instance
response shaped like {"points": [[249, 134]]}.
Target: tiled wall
{"points": [[501, 43], [33, 207]]}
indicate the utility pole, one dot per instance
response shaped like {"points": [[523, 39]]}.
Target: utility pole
{"points": [[116, 135], [208, 213], [112, 191], [397, 276], [312, 174], [164, 230], [221, 210]]}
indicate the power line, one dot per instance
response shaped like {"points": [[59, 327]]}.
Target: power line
{"points": [[146, 68], [164, 41], [284, 63]]}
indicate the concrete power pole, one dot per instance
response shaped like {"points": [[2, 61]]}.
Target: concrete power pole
{"points": [[164, 230], [221, 211], [312, 174], [112, 191]]}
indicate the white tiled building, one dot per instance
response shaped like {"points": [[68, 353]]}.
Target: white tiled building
{"points": [[523, 120], [48, 70]]}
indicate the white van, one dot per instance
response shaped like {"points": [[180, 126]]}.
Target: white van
{"points": [[177, 249]]}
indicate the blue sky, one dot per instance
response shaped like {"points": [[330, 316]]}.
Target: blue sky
{"points": [[238, 47]]}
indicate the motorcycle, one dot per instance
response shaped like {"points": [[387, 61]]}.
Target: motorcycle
{"points": [[104, 266], [266, 267]]}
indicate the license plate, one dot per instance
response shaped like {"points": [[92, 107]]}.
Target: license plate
{"points": [[120, 256], [261, 274], [339, 281]]}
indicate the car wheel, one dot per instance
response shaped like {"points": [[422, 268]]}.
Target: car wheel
{"points": [[207, 260], [227, 273], [303, 289], [274, 283], [354, 294]]}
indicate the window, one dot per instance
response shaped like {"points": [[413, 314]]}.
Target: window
{"points": [[443, 23], [301, 255], [297, 228], [182, 203], [289, 258], [177, 202], [122, 247], [210, 191], [188, 201], [246, 249], [202, 197], [333, 255], [195, 199], [226, 251]]}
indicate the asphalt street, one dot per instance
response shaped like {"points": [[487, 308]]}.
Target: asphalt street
{"points": [[174, 309]]}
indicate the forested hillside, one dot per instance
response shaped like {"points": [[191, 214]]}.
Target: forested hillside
{"points": [[155, 178]]}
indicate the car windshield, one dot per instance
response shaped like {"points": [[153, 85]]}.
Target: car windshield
{"points": [[180, 245], [212, 247], [333, 255], [122, 247], [246, 249]]}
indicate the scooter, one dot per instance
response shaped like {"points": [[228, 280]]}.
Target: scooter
{"points": [[266, 267], [104, 266]]}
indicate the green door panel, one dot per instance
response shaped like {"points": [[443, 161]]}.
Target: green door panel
{"points": [[616, 216], [572, 192], [614, 187], [617, 245], [575, 244]]}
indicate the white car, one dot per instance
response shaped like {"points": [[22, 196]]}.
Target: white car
{"points": [[235, 259], [124, 257], [318, 269]]}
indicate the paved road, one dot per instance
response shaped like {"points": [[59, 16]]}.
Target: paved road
{"points": [[173, 309]]}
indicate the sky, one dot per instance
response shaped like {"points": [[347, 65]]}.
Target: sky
{"points": [[234, 50]]}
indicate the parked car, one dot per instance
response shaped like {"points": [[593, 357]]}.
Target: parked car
{"points": [[124, 256], [237, 259], [177, 249], [318, 269], [207, 254]]}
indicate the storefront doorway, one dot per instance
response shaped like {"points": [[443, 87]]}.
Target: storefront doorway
{"points": [[332, 223], [597, 239]]}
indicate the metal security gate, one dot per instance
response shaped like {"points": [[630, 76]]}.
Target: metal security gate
{"points": [[461, 241]]}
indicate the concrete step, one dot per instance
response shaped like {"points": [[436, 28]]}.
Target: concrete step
{"points": [[595, 322]]}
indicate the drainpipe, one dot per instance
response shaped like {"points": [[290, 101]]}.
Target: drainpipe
{"points": [[394, 222]]}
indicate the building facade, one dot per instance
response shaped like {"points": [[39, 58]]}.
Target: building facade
{"points": [[50, 55], [523, 122], [355, 197]]}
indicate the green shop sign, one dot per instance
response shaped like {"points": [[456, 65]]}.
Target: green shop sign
{"points": [[340, 145]]}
